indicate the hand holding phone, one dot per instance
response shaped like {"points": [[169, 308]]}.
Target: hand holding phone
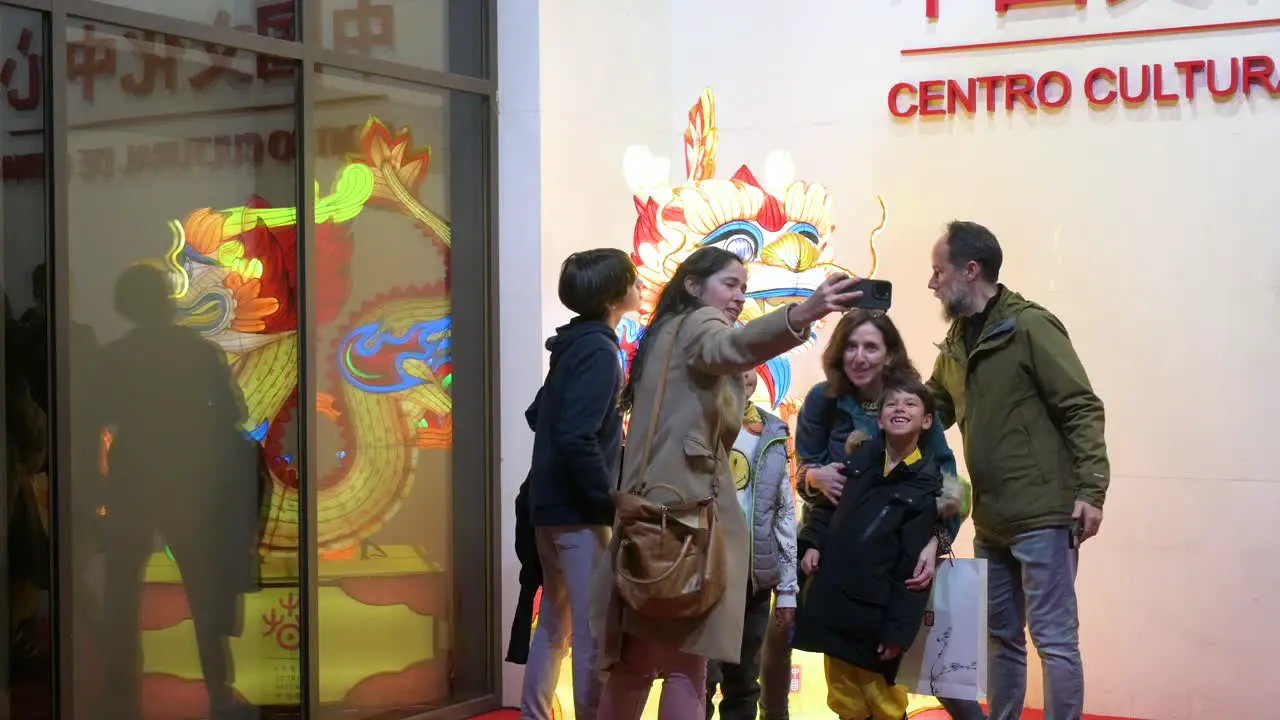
{"points": [[876, 295]]}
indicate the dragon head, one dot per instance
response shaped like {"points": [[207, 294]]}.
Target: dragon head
{"points": [[781, 228]]}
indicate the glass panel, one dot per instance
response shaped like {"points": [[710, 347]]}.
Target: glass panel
{"points": [[26, 682], [270, 18], [402, 621], [445, 35], [183, 372]]}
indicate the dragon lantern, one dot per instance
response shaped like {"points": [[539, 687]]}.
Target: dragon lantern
{"points": [[234, 276], [781, 228]]}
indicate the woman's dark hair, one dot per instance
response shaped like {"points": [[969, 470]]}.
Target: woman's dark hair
{"points": [[592, 280], [898, 369], [674, 301]]}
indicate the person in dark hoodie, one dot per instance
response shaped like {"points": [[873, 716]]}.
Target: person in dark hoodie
{"points": [[577, 454]]}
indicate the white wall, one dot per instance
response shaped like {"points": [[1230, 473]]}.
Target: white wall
{"points": [[519, 249], [606, 76], [1148, 230]]}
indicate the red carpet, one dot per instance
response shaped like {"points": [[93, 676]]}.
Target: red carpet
{"points": [[1028, 715]]}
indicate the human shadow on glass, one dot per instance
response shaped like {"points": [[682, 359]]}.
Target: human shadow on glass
{"points": [[181, 478]]}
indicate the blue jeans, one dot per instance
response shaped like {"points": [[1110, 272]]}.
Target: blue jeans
{"points": [[1031, 579], [963, 709], [569, 555]]}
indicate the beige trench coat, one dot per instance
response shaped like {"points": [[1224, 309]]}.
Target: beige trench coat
{"points": [[704, 387]]}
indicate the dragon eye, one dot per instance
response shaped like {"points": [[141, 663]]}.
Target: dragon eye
{"points": [[807, 231], [740, 245], [738, 237]]}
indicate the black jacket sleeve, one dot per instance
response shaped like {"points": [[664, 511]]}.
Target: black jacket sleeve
{"points": [[816, 524], [531, 412], [588, 395], [530, 580], [905, 608]]}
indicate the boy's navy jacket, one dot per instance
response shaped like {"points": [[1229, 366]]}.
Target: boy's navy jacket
{"points": [[577, 453], [577, 426], [858, 597]]}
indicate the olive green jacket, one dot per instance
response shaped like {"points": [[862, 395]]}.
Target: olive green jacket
{"points": [[1031, 423]]}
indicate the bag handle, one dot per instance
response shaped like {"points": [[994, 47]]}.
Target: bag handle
{"points": [[620, 568]]}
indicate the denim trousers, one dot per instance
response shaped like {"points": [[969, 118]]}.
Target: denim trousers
{"points": [[1031, 583], [569, 555]]}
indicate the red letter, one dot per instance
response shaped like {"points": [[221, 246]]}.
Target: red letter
{"points": [[957, 96], [1047, 79], [1158, 94], [894, 92], [1142, 95], [931, 98], [1211, 72], [989, 83], [1091, 79], [1189, 68], [931, 9], [1002, 6], [281, 145], [1258, 70], [1019, 87]]}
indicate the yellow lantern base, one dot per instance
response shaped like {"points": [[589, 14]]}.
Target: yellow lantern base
{"points": [[382, 639]]}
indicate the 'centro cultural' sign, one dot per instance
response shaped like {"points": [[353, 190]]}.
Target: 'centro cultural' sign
{"points": [[1101, 86]]}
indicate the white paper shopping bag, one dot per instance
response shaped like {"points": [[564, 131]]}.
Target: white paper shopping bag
{"points": [[949, 657]]}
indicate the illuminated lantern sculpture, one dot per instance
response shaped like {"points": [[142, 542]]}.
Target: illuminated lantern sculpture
{"points": [[780, 227]]}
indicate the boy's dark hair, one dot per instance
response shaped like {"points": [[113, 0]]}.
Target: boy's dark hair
{"points": [[592, 280], [912, 387], [970, 242]]}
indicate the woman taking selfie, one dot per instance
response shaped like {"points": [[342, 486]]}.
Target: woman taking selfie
{"points": [[864, 354], [685, 397]]}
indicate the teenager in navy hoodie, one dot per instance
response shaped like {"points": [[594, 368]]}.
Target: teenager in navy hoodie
{"points": [[577, 453]]}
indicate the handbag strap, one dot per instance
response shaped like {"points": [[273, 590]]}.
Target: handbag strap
{"points": [[714, 444], [647, 452]]}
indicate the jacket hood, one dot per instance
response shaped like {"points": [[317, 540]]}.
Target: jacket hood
{"points": [[774, 427], [576, 330]]}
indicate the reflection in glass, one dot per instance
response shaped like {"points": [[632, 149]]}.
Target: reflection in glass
{"points": [[26, 682], [182, 261], [402, 620], [444, 35], [269, 18]]}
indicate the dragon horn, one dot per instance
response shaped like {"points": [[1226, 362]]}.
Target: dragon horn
{"points": [[701, 138]]}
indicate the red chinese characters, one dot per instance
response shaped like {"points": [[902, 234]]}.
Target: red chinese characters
{"points": [[159, 54], [23, 71], [368, 25], [277, 20], [1003, 6], [87, 58], [219, 59]]}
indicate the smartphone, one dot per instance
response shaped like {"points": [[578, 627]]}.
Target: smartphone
{"points": [[1077, 532], [876, 295]]}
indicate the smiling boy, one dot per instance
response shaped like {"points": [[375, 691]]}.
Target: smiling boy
{"points": [[857, 610]]}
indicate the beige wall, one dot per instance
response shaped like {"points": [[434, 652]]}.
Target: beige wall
{"points": [[1147, 230]]}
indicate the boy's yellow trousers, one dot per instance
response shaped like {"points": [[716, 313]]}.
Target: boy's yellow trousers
{"points": [[857, 694]]}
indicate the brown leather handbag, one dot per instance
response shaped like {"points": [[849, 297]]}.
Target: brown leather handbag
{"points": [[670, 560]]}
